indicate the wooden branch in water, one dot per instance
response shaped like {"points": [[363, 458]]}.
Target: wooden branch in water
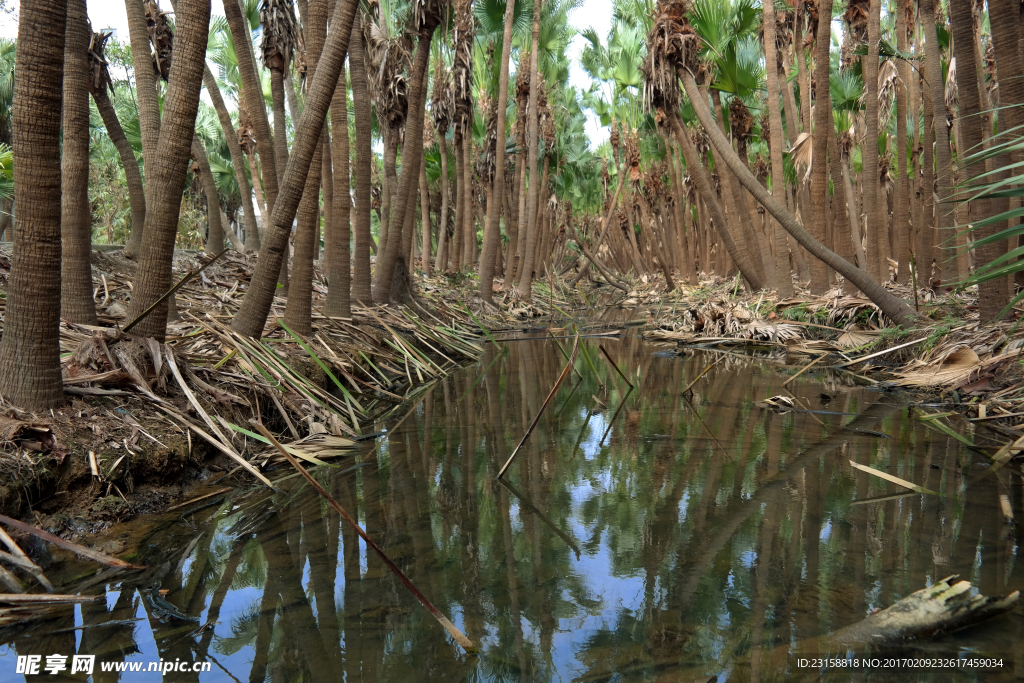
{"points": [[943, 607], [68, 545], [453, 631], [533, 508], [551, 395], [605, 352]]}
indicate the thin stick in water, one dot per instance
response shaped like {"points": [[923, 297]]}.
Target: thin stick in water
{"points": [[605, 352], [453, 631], [551, 395]]}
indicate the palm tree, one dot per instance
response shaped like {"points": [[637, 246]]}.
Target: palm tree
{"points": [[99, 84], [441, 109], [30, 348], [337, 230], [943, 157], [165, 173], [252, 103], [280, 36], [361, 282], [492, 236], [822, 126], [215, 229], [252, 314], [298, 313], [77, 304], [528, 235], [784, 282]]}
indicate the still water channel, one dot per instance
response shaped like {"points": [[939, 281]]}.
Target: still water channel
{"points": [[674, 539]]}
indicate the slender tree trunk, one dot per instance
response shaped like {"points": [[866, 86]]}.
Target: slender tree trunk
{"points": [[469, 217], [525, 289], [298, 313], [337, 252], [280, 122], [362, 173], [784, 278], [898, 311], [133, 177], [819, 142], [943, 158], [698, 174], [492, 230], [166, 172], [252, 94], [30, 376], [252, 315], [77, 304], [412, 150], [927, 254], [901, 213], [440, 263], [424, 217], [237, 158], [146, 98], [458, 240], [215, 229], [876, 231]]}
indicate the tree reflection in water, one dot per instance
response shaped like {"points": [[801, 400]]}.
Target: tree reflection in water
{"points": [[714, 536]]}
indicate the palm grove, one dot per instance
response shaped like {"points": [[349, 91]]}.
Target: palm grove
{"points": [[820, 141]]}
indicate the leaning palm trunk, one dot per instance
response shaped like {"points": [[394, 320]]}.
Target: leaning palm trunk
{"points": [[492, 231], [215, 229], [362, 240], [166, 171], [77, 304], [252, 315], [898, 311], [237, 158], [30, 348], [737, 252]]}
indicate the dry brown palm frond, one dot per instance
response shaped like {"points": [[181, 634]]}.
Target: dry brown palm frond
{"points": [[280, 33], [856, 19], [160, 37], [98, 62], [888, 82], [462, 65], [442, 103], [671, 43], [801, 153]]}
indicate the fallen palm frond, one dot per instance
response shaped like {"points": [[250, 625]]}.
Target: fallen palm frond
{"points": [[896, 480]]}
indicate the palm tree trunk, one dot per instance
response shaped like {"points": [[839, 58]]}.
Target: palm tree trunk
{"points": [[166, 171], [875, 230], [362, 240], [943, 158], [698, 174], [337, 236], [146, 98], [525, 289], [412, 150], [133, 178], [424, 217], [252, 315], [237, 158], [492, 231], [784, 279], [927, 255], [440, 263], [252, 94], [843, 228], [901, 214], [891, 306], [298, 312], [460, 192], [468, 208], [215, 229], [77, 304], [280, 122], [30, 376], [819, 144], [606, 223]]}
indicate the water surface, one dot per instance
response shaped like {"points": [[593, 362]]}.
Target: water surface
{"points": [[643, 536]]}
